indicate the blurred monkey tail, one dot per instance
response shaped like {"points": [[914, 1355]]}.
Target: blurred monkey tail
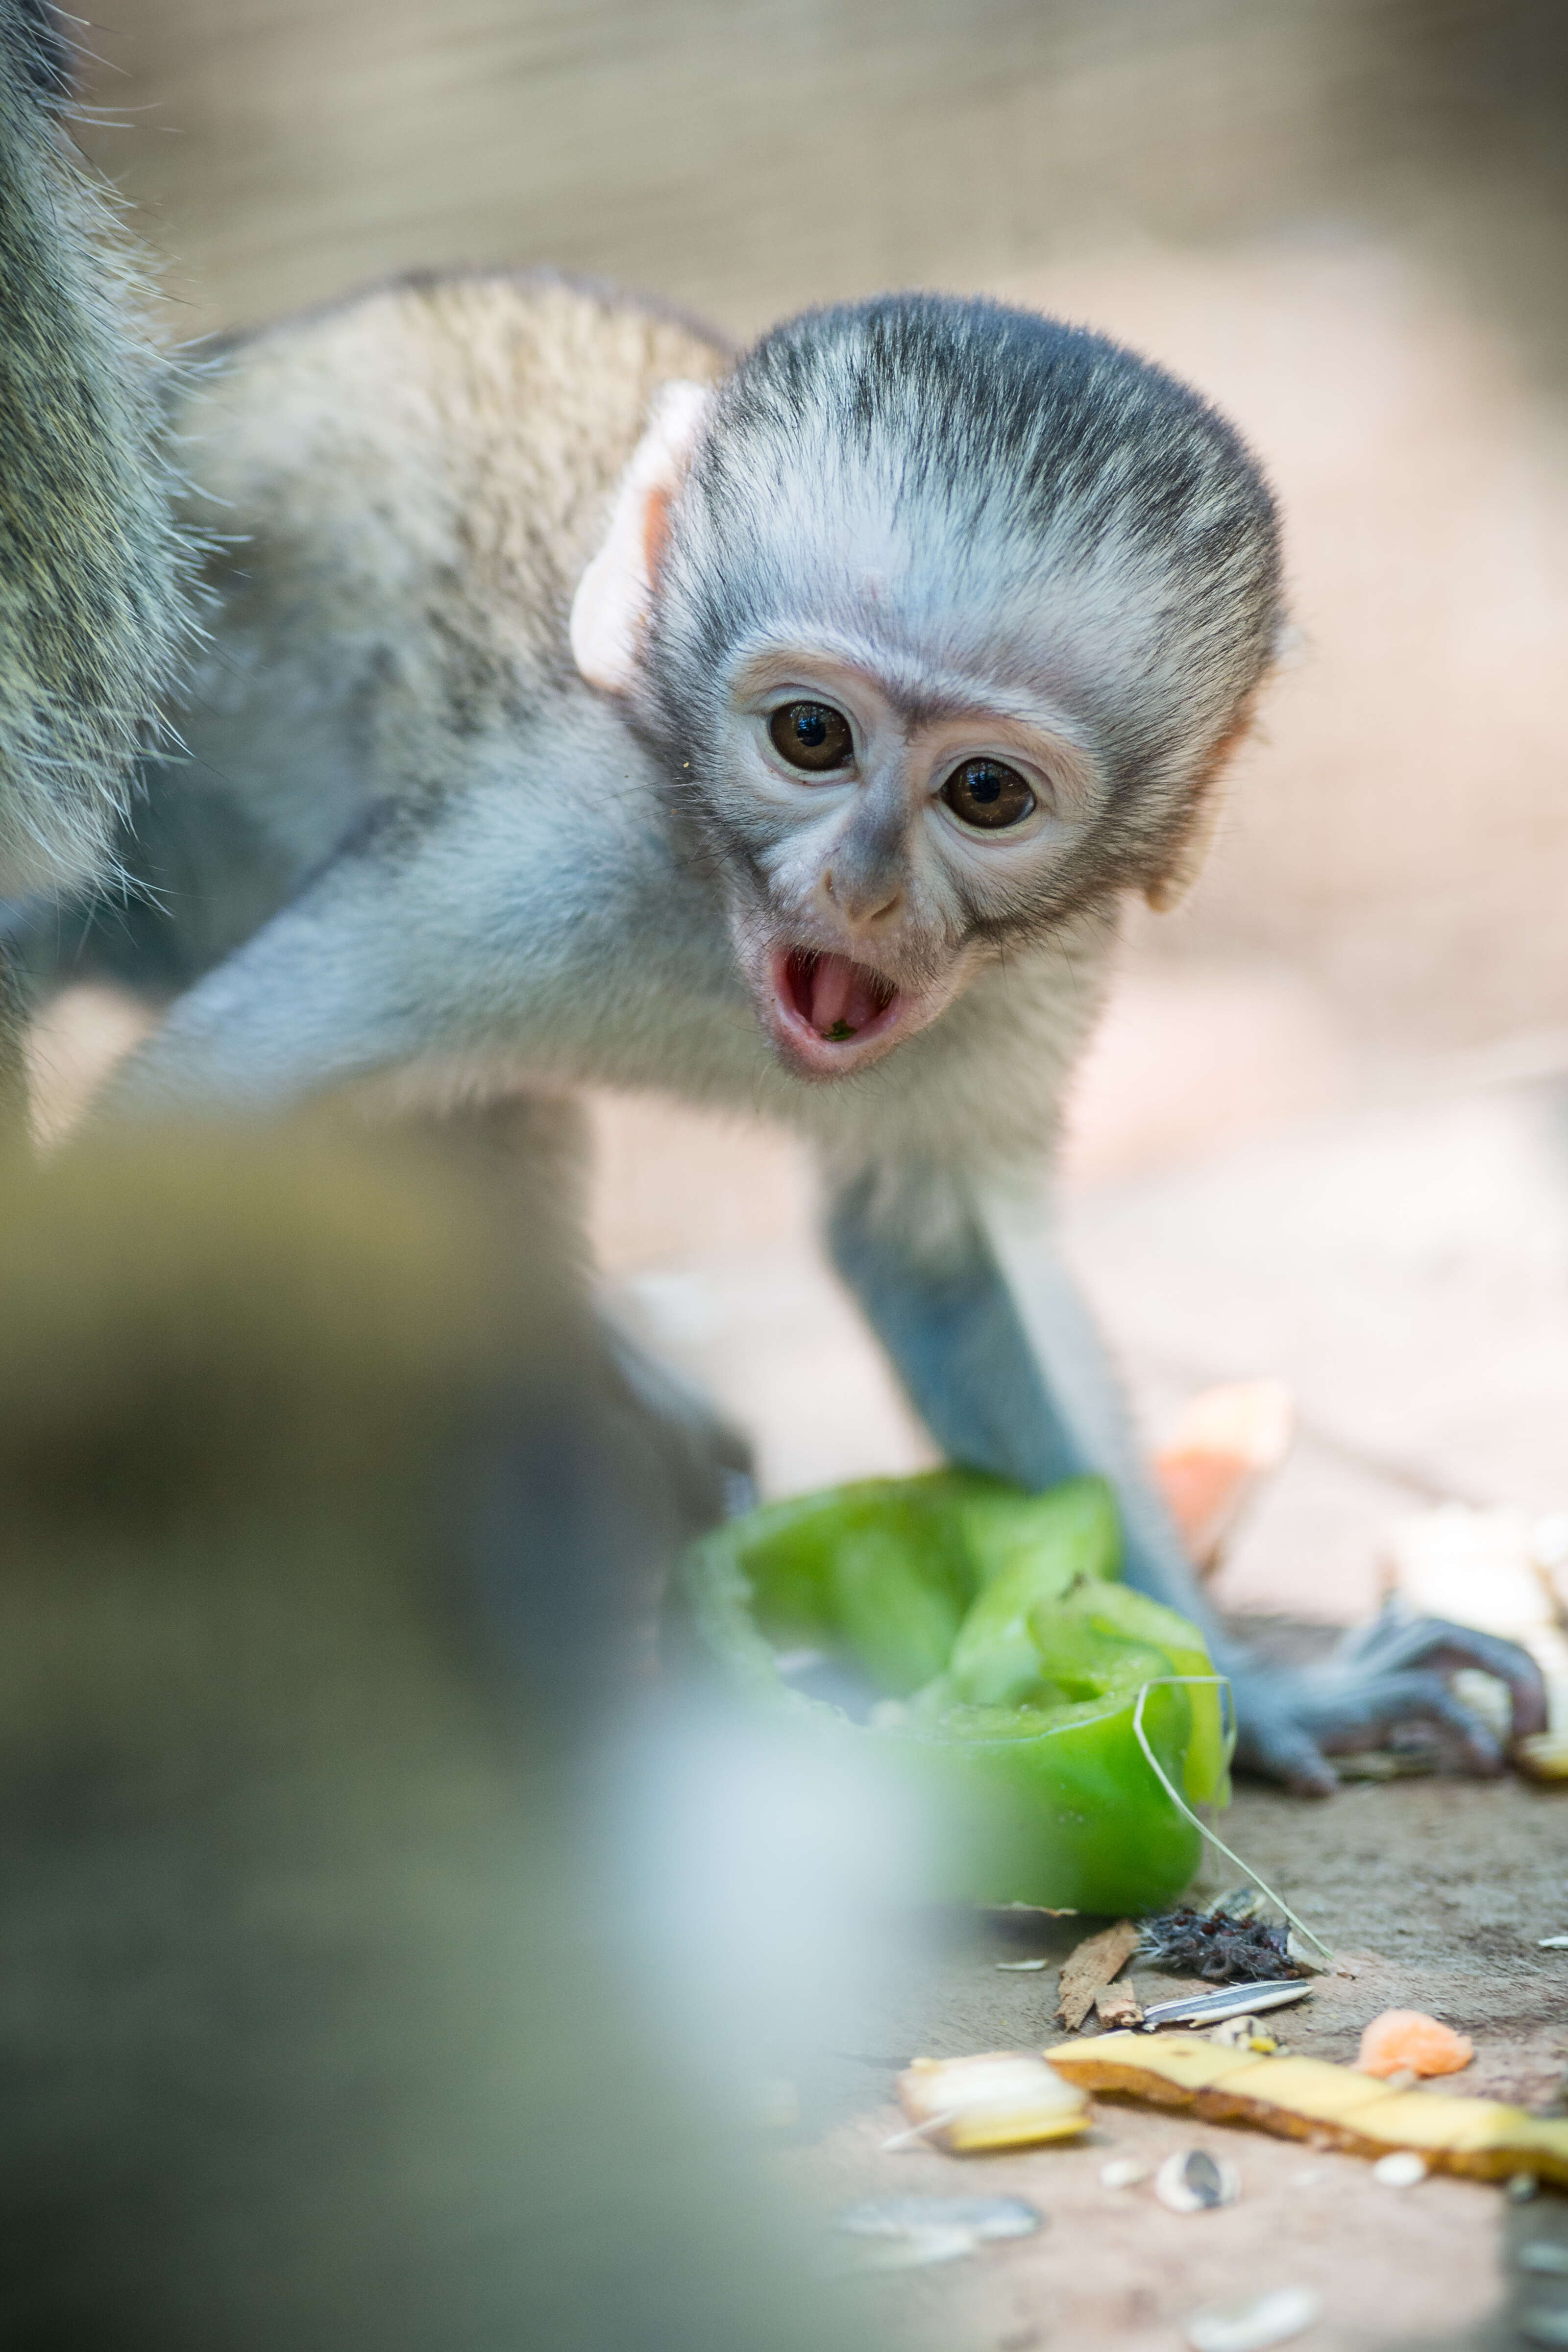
{"points": [[93, 574]]}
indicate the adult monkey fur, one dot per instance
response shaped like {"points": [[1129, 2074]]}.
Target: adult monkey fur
{"points": [[320, 1517], [587, 704], [92, 568]]}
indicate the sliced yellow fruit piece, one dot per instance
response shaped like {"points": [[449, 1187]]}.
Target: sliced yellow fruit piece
{"points": [[1306, 2099], [1314, 2089], [1188, 2062], [1004, 2098]]}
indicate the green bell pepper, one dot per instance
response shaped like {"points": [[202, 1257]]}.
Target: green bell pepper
{"points": [[1008, 1661]]}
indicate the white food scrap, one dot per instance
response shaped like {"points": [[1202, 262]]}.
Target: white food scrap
{"points": [[1267, 2319], [1001, 2099]]}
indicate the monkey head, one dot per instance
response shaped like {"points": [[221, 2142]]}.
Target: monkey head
{"points": [[941, 617]]}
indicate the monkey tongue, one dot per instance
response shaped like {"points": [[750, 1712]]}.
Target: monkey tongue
{"points": [[838, 997]]}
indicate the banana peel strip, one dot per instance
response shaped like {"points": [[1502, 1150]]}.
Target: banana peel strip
{"points": [[1309, 2099]]}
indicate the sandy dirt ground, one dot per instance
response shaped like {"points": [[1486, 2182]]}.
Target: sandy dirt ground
{"points": [[1434, 1892]]}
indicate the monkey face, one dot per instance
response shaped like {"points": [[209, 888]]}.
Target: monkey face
{"points": [[940, 617], [874, 839]]}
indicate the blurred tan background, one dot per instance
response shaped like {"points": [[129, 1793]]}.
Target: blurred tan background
{"points": [[1321, 1130], [1343, 217]]}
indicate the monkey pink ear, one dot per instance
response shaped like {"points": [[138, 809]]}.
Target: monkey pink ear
{"points": [[1188, 863], [1168, 889], [615, 596]]}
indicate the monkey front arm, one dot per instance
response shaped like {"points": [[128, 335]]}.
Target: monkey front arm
{"points": [[974, 1638]]}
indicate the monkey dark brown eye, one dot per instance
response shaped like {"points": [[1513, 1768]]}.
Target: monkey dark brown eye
{"points": [[813, 736], [985, 794]]}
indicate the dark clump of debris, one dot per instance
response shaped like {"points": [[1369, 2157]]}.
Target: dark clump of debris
{"points": [[1218, 1946]]}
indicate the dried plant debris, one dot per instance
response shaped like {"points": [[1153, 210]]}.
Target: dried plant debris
{"points": [[1011, 1913], [1090, 1967], [1003, 2099], [1219, 1946], [1332, 2106], [1118, 2005], [1194, 2182], [1268, 2319]]}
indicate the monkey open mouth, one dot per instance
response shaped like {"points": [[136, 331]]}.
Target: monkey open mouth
{"points": [[828, 1010]]}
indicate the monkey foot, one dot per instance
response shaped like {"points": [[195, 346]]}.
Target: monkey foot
{"points": [[1384, 1677]]}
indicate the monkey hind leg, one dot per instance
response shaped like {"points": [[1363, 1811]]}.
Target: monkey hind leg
{"points": [[694, 1467]]}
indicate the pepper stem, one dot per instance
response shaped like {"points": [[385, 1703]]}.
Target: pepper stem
{"points": [[1203, 1829]]}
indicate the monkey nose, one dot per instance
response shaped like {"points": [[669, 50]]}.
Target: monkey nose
{"points": [[862, 905]]}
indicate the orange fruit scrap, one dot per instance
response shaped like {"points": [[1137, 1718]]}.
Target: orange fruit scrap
{"points": [[1406, 2040], [1226, 1442]]}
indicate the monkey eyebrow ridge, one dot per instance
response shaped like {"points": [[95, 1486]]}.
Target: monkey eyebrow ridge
{"points": [[921, 695]]}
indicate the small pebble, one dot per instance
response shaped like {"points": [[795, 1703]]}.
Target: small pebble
{"points": [[1522, 2187], [908, 2217], [1122, 2172], [1271, 2318], [1544, 2255], [1195, 2182], [1403, 2169], [911, 2252]]}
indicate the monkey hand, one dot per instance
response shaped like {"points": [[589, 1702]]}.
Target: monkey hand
{"points": [[1390, 1673]]}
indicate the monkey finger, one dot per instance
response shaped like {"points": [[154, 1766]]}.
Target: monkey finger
{"points": [[1362, 1710], [1394, 1641], [1272, 1743]]}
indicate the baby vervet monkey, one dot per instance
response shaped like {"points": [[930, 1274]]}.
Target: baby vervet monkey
{"points": [[587, 704]]}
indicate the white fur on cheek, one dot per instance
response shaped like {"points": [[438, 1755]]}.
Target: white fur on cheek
{"points": [[610, 610]]}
